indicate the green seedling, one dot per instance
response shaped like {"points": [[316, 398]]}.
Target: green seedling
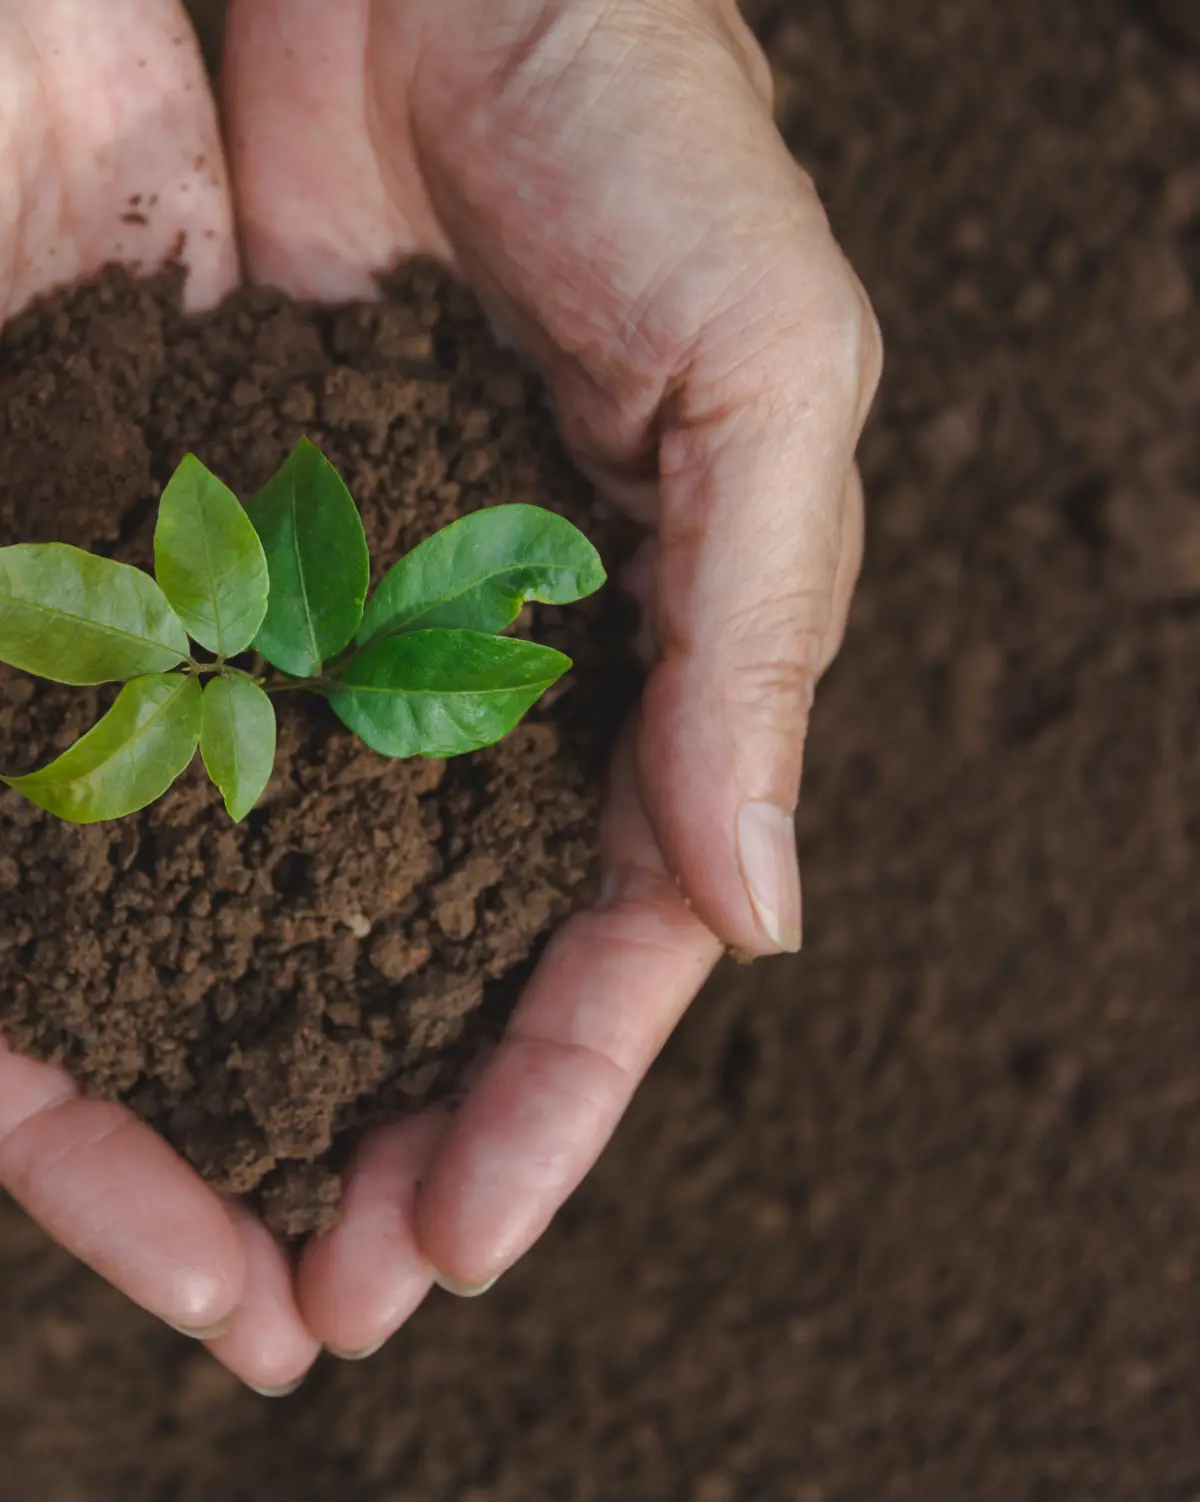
{"points": [[419, 669]]}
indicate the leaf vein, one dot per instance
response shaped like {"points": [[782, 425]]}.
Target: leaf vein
{"points": [[212, 579], [139, 732], [312, 631], [477, 583], [83, 620], [442, 693]]}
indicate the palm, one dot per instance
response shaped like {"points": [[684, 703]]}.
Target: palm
{"points": [[375, 129], [102, 117], [115, 154]]}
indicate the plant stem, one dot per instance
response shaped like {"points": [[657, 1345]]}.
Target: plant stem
{"points": [[203, 669], [290, 685]]}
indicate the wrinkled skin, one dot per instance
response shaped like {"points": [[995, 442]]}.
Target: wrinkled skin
{"points": [[606, 175]]}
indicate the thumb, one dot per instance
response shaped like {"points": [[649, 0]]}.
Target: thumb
{"points": [[759, 541]]}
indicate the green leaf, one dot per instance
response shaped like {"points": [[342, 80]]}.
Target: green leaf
{"points": [[72, 617], [477, 573], [237, 741], [317, 557], [439, 693], [127, 759], [209, 561]]}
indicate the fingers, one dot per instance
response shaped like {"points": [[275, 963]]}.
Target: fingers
{"points": [[755, 565], [672, 272], [640, 228], [112, 1192], [321, 213], [110, 148], [359, 1283], [607, 992], [268, 1345]]}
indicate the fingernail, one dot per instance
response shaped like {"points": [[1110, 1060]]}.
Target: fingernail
{"points": [[277, 1392], [356, 1355], [210, 1332], [464, 1290], [771, 871]]}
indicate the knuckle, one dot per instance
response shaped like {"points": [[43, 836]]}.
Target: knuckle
{"points": [[768, 700], [775, 648], [772, 686], [747, 52], [871, 354], [851, 344], [762, 80]]}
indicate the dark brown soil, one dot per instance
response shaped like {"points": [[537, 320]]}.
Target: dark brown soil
{"points": [[260, 991], [915, 1217]]}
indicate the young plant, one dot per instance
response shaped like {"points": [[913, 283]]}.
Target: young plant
{"points": [[420, 669]]}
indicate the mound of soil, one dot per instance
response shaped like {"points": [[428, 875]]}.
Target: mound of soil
{"points": [[259, 992]]}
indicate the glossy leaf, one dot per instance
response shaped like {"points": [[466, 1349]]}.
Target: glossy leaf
{"points": [[477, 573], [76, 618], [127, 759], [317, 559], [440, 693], [209, 561], [237, 741]]}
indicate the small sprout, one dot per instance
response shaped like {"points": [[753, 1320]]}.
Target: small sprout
{"points": [[418, 670]]}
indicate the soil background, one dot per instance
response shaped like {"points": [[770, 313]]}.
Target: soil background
{"points": [[916, 1215]]}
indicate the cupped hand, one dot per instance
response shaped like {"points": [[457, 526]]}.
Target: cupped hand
{"points": [[606, 175], [110, 150]]}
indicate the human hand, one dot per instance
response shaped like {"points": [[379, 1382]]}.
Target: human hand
{"points": [[607, 177], [107, 107]]}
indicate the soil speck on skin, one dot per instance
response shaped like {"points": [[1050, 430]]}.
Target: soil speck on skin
{"points": [[261, 991]]}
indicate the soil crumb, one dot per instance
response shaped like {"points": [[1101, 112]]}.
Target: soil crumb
{"points": [[259, 992]]}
